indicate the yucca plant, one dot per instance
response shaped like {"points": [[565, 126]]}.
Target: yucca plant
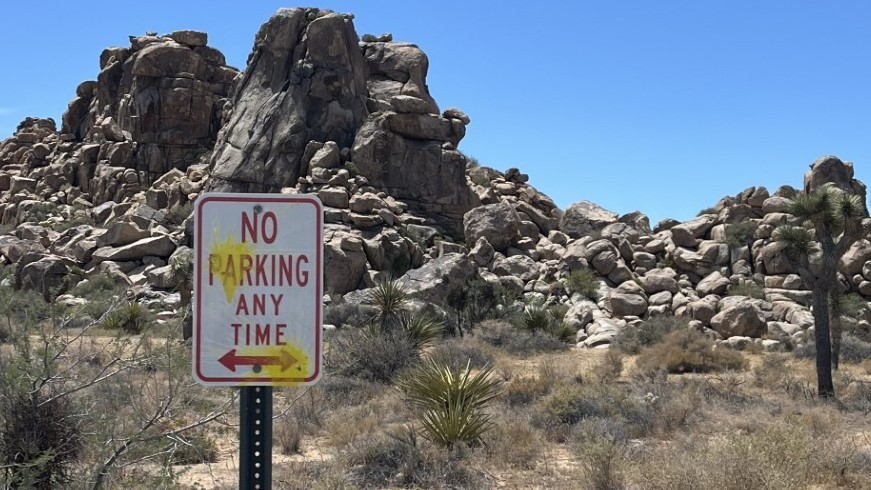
{"points": [[452, 401], [130, 317], [422, 329], [536, 318], [390, 300]]}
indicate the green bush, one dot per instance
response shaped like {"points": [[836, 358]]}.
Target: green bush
{"points": [[370, 354], [452, 401], [40, 439], [708, 211], [583, 281], [689, 351], [748, 289], [740, 234], [651, 331]]}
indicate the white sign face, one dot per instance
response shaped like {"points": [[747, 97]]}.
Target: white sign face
{"points": [[258, 286]]}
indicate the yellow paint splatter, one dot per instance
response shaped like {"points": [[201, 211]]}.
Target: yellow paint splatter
{"points": [[225, 262], [299, 368]]}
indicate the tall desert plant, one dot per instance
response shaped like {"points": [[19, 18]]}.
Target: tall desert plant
{"points": [[452, 401], [836, 219]]}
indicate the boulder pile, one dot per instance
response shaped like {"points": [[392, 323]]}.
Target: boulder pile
{"points": [[320, 111]]}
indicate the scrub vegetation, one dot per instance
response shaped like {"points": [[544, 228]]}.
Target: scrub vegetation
{"points": [[99, 395]]}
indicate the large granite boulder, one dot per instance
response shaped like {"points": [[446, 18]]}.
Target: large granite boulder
{"points": [[497, 223], [305, 81], [585, 218]]}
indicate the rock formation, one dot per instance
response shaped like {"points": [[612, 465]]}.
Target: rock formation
{"points": [[319, 111]]}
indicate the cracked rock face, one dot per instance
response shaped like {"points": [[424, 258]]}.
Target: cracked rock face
{"points": [[305, 81], [155, 105]]}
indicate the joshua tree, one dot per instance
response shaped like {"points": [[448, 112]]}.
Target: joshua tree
{"points": [[833, 221]]}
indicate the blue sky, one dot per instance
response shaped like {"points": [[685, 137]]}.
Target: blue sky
{"points": [[664, 107]]}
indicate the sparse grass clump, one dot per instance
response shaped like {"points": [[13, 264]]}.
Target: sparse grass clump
{"points": [[777, 457], [689, 351]]}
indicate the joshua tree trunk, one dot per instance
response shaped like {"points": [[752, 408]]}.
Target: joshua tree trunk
{"points": [[835, 311], [825, 386]]}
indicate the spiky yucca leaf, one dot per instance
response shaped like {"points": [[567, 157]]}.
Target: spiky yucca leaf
{"points": [[389, 299], [536, 318], [797, 239], [452, 401], [848, 207], [422, 329]]}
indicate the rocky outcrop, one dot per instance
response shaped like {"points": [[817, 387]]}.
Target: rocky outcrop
{"points": [[156, 105], [317, 111], [305, 81]]}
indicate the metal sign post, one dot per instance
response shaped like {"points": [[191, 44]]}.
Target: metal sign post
{"points": [[255, 438], [258, 289]]}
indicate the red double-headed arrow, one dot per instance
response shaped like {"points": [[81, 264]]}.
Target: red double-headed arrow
{"points": [[284, 359]]}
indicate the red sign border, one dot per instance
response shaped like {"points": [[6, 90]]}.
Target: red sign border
{"points": [[198, 244]]}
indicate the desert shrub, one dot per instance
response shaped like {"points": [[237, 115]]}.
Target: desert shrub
{"points": [[515, 444], [180, 212], [776, 457], [747, 288], [348, 426], [651, 331], [346, 315], [370, 353], [852, 304], [456, 353], [40, 439], [583, 281], [570, 404], [772, 372], [689, 351], [707, 211], [608, 369], [477, 301], [536, 318], [401, 460], [102, 294], [523, 390], [341, 391], [853, 350], [288, 435], [194, 448], [452, 401], [514, 340], [740, 234], [601, 456], [389, 301]]}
